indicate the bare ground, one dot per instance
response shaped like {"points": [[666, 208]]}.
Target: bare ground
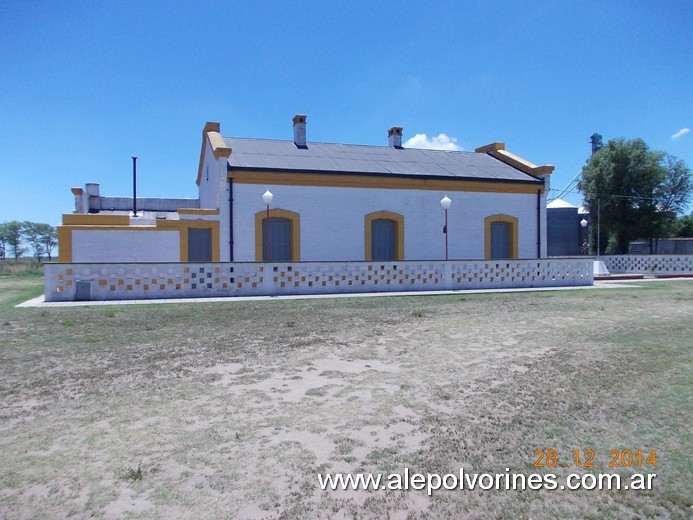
{"points": [[231, 410]]}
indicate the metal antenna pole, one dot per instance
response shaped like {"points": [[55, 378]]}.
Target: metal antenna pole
{"points": [[134, 186], [599, 242]]}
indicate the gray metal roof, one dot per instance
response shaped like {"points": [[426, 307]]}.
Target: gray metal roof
{"points": [[267, 154]]}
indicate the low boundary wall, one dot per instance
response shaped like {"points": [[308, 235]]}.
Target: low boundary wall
{"points": [[77, 281], [649, 264]]}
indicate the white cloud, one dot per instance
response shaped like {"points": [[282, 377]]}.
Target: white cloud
{"points": [[441, 142], [681, 132]]}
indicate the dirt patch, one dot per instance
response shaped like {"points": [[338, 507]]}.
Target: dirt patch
{"points": [[232, 410]]}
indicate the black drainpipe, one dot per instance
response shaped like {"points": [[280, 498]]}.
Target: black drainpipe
{"points": [[134, 186], [538, 223], [231, 218]]}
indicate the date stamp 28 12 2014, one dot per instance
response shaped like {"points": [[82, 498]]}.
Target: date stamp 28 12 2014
{"points": [[586, 459]]}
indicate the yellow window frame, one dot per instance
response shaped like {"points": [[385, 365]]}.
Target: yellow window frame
{"points": [[399, 233]]}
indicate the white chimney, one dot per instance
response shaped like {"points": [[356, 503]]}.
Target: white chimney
{"points": [[394, 137], [92, 189], [300, 130], [79, 200], [92, 198]]}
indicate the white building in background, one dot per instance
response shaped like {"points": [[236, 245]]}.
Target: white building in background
{"points": [[331, 202]]}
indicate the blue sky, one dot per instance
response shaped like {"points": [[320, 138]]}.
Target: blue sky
{"points": [[86, 85]]}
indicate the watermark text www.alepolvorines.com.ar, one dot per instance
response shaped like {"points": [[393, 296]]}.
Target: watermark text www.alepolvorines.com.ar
{"points": [[464, 480]]}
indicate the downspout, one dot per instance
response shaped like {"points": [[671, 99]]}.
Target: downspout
{"points": [[538, 223], [134, 186], [231, 219]]}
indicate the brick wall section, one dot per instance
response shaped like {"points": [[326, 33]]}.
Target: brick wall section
{"points": [[649, 264], [332, 220], [128, 246], [191, 280]]}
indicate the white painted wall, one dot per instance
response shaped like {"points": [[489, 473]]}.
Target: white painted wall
{"points": [[209, 198], [214, 194], [146, 204], [125, 246], [332, 220]]}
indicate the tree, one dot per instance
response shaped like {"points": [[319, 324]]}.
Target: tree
{"points": [[49, 238], [620, 181], [672, 195], [31, 231], [684, 227], [13, 232], [4, 241], [43, 238]]}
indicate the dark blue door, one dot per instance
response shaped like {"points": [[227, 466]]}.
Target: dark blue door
{"points": [[383, 240], [500, 240], [279, 238], [199, 245]]}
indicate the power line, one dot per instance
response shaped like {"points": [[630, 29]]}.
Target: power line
{"points": [[572, 184], [613, 196]]}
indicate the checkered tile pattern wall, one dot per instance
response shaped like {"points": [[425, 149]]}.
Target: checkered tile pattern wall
{"points": [[188, 280], [661, 264]]}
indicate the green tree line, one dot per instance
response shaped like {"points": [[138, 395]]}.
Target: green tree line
{"points": [[18, 238]]}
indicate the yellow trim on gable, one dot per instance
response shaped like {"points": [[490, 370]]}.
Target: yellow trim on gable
{"points": [[295, 220], [399, 233], [514, 233], [219, 148], [514, 161], [211, 133], [95, 219], [339, 180], [210, 126], [546, 169], [498, 151], [492, 147]]}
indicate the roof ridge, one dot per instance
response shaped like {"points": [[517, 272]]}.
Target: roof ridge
{"points": [[361, 145]]}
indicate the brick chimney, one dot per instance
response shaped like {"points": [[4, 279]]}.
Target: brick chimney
{"points": [[394, 137], [300, 130]]}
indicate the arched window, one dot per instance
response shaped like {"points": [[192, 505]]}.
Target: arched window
{"points": [[281, 232], [500, 236], [384, 234]]}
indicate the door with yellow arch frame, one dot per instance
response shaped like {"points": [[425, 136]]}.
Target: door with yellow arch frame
{"points": [[501, 236]]}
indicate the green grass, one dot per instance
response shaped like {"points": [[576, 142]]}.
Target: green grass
{"points": [[19, 288], [231, 409], [21, 267]]}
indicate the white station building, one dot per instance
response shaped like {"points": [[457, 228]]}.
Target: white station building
{"points": [[330, 202]]}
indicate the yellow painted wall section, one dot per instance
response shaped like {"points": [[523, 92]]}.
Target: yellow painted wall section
{"points": [[64, 244], [96, 219], [197, 211], [363, 181]]}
